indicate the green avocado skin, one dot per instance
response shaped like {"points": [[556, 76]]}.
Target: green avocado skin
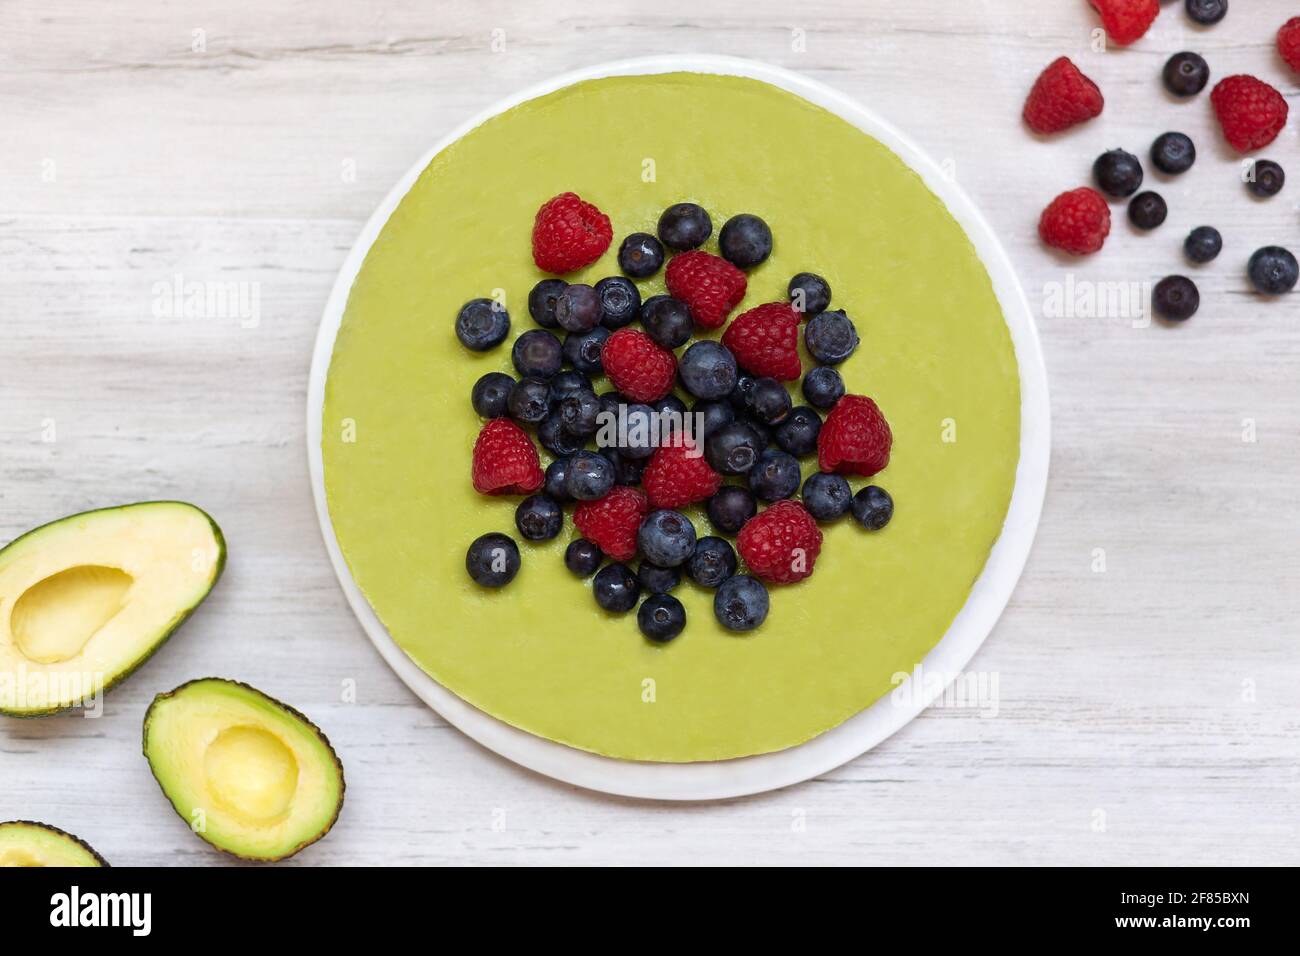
{"points": [[293, 712], [64, 834], [162, 638]]}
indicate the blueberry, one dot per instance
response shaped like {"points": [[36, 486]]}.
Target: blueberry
{"points": [[1118, 173], [823, 387], [1173, 153], [641, 255], [774, 476], [583, 349], [1207, 12], [708, 370], [809, 293], [712, 563], [539, 517], [667, 320], [666, 538], [1186, 74], [745, 241], [615, 588], [1203, 244], [578, 413], [760, 428], [529, 401], [634, 430], [490, 394], [1265, 178], [590, 476], [627, 471], [872, 507], [568, 382], [1273, 270], [742, 396], [731, 507], [741, 603], [493, 560], [733, 449], [541, 302], [656, 580], [661, 617], [556, 474], [620, 301], [1147, 210], [684, 225], [1176, 298], [537, 354], [578, 308], [715, 415], [582, 557], [670, 414], [798, 433], [827, 497], [610, 402], [769, 401], [482, 324], [557, 439], [830, 337]]}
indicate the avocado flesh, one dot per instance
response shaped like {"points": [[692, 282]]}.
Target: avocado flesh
{"points": [[24, 843], [85, 600], [250, 775]]}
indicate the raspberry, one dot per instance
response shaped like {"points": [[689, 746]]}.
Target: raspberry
{"points": [[1062, 97], [1127, 20], [637, 366], [855, 438], [611, 523], [1077, 222], [569, 234], [765, 341], [781, 544], [1288, 43], [678, 475], [711, 286], [1250, 111], [505, 460]]}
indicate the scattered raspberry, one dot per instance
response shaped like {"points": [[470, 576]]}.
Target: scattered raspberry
{"points": [[569, 234], [1127, 20], [765, 340], [1288, 43], [505, 460], [637, 366], [1077, 222], [781, 544], [611, 523], [678, 475], [710, 285], [855, 438], [1250, 111], [1062, 97]]}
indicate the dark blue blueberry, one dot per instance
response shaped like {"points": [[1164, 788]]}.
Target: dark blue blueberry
{"points": [[582, 557], [656, 580], [491, 393], [578, 308], [529, 401], [742, 396], [712, 563], [610, 401], [774, 476], [769, 401], [666, 538], [557, 439], [761, 428], [667, 320], [872, 507], [640, 255], [539, 517], [1176, 298], [741, 603], [716, 414], [627, 470], [635, 431], [830, 337], [482, 324], [590, 476], [1203, 244], [620, 301], [541, 302], [745, 241], [1148, 210], [684, 225], [568, 382], [578, 413], [661, 617], [1265, 178], [1273, 270], [826, 497], [537, 354], [583, 349], [708, 370], [615, 588], [809, 293], [823, 387], [556, 474], [670, 412], [1186, 74], [733, 449], [1173, 153], [798, 433], [731, 507], [493, 560], [1207, 12], [1118, 173]]}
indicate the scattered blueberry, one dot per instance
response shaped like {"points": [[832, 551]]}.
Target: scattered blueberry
{"points": [[610, 402], [493, 560], [742, 396], [568, 382], [827, 497], [667, 320], [539, 517], [582, 557], [556, 474], [1176, 298], [731, 507], [541, 302], [1186, 74], [684, 225], [809, 293], [708, 370], [1203, 244], [537, 354], [620, 300], [583, 349], [798, 433], [615, 588], [1265, 178], [1118, 173], [490, 394], [823, 387], [636, 437], [656, 580], [712, 563], [627, 470], [482, 324], [590, 476], [774, 476], [872, 507], [1273, 270], [578, 308], [733, 449], [716, 414], [760, 428], [830, 337], [1173, 153], [1147, 210], [578, 413], [741, 603], [641, 255], [529, 401], [671, 413], [557, 439], [769, 401], [661, 617], [666, 538], [1207, 12], [745, 241]]}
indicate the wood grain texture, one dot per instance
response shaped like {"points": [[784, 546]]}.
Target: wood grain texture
{"points": [[1148, 714]]}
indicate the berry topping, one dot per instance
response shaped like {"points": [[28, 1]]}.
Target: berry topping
{"points": [[1273, 270], [678, 475], [666, 538], [529, 401], [616, 588], [781, 544], [612, 522], [542, 300], [798, 433], [482, 324], [1176, 298], [712, 563], [1173, 153], [1148, 211], [745, 241], [873, 507], [1118, 173], [640, 255], [855, 438], [539, 518], [1207, 12], [774, 476], [1186, 74], [620, 301], [578, 308], [493, 560], [569, 234], [667, 321], [809, 293], [589, 477], [830, 337], [684, 225], [708, 370], [1203, 244], [537, 354], [656, 580], [1126, 21], [661, 617], [741, 603], [765, 341], [1265, 178], [826, 497], [583, 350], [1076, 222], [823, 387], [710, 286], [490, 394], [505, 460], [582, 557], [1288, 43], [638, 366], [733, 449], [1061, 97], [731, 507], [1250, 111]]}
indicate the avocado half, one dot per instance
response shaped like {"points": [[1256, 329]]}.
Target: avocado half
{"points": [[26, 843], [250, 775], [87, 599]]}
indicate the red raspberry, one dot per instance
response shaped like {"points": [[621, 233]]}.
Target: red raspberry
{"points": [[1127, 20], [569, 234], [611, 523], [1288, 43], [1250, 111], [638, 366], [781, 544], [765, 340], [505, 460], [678, 475], [711, 286], [1077, 222], [855, 438], [1062, 97]]}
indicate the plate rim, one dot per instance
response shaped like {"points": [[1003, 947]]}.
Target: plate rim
{"points": [[742, 776]]}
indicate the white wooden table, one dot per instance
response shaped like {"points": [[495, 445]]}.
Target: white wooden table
{"points": [[1149, 712]]}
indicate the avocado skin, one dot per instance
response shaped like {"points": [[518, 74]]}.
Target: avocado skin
{"points": [[338, 765], [136, 665], [65, 834]]}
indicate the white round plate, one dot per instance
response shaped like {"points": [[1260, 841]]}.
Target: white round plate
{"points": [[731, 778]]}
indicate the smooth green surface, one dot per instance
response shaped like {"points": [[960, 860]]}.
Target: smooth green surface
{"points": [[540, 654]]}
